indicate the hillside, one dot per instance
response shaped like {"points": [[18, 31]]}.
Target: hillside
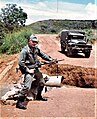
{"points": [[55, 26]]}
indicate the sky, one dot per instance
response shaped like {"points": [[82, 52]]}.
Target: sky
{"points": [[38, 10]]}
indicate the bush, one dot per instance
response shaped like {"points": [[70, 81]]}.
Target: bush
{"points": [[15, 41], [90, 35]]}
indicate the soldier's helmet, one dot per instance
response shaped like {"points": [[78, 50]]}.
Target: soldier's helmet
{"points": [[34, 38]]}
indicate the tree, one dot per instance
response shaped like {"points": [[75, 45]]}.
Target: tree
{"points": [[2, 32], [13, 17]]}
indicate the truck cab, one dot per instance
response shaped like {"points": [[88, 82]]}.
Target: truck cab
{"points": [[74, 42]]}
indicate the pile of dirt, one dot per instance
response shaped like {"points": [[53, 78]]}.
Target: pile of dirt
{"points": [[7, 73], [74, 75]]}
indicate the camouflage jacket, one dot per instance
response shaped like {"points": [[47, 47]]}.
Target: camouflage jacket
{"points": [[28, 57]]}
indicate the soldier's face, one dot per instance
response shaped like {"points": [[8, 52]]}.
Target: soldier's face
{"points": [[32, 43]]}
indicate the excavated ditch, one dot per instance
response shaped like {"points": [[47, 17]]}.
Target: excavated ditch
{"points": [[74, 75]]}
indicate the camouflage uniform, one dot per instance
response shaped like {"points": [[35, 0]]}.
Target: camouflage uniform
{"points": [[28, 59]]}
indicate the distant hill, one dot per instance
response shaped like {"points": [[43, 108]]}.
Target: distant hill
{"points": [[55, 26]]}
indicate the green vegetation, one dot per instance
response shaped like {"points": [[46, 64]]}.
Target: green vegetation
{"points": [[55, 26], [13, 42], [13, 17]]}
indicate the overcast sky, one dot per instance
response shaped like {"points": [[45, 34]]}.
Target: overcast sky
{"points": [[56, 9]]}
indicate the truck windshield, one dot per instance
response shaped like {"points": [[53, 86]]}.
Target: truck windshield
{"points": [[76, 37]]}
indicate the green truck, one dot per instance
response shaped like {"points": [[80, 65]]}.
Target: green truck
{"points": [[74, 42]]}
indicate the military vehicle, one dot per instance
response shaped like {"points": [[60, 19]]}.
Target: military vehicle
{"points": [[74, 42]]}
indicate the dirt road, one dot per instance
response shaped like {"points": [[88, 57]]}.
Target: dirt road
{"points": [[62, 102], [51, 45], [67, 102]]}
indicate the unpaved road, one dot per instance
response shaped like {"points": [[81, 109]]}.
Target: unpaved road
{"points": [[66, 102], [51, 45], [62, 102]]}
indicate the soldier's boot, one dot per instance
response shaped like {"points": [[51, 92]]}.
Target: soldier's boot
{"points": [[39, 97], [20, 103]]}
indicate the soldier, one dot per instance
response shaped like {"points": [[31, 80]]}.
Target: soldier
{"points": [[27, 61]]}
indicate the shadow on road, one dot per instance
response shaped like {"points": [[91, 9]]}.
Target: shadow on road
{"points": [[73, 56]]}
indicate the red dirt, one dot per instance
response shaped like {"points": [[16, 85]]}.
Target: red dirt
{"points": [[63, 102]]}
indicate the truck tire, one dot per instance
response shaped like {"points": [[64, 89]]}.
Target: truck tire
{"points": [[69, 53], [62, 49], [87, 54]]}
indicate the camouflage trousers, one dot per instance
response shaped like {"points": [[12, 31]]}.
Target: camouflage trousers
{"points": [[32, 82]]}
